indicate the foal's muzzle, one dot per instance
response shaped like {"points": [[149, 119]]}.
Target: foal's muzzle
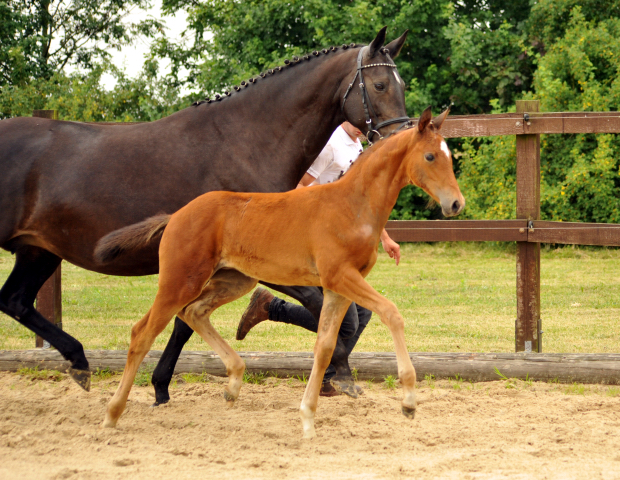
{"points": [[453, 207]]}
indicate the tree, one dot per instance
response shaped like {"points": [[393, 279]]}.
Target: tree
{"points": [[41, 37]]}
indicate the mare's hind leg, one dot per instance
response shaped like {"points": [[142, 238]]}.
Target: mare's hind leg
{"points": [[162, 375], [33, 266], [224, 287], [334, 308]]}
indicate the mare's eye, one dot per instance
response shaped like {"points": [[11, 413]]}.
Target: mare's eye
{"points": [[379, 86], [429, 157]]}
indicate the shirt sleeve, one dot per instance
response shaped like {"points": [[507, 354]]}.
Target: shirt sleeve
{"points": [[324, 160]]}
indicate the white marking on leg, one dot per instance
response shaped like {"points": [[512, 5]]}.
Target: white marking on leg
{"points": [[307, 420]]}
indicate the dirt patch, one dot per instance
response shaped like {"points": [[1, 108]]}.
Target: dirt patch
{"points": [[49, 429]]}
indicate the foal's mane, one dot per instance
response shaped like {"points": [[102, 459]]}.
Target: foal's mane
{"points": [[367, 153], [287, 64]]}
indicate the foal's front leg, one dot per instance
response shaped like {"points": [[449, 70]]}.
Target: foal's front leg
{"points": [[353, 286], [334, 308]]}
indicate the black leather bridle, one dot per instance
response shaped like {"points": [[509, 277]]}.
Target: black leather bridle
{"points": [[406, 121]]}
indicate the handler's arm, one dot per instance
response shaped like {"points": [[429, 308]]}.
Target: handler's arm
{"points": [[390, 246], [306, 180]]}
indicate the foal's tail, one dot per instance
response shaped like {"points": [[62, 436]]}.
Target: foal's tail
{"points": [[130, 239]]}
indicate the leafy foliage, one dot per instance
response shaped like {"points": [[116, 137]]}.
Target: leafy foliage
{"points": [[579, 173], [82, 97]]}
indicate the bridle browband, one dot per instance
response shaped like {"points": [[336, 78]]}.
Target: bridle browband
{"points": [[406, 121]]}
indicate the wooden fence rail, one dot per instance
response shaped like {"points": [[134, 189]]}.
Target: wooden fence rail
{"points": [[527, 230]]}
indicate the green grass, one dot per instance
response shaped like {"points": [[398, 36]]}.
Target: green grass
{"points": [[389, 382], [455, 297]]}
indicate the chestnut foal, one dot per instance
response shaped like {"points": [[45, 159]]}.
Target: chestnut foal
{"points": [[216, 248]]}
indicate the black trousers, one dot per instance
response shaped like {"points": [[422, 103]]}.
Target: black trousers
{"points": [[307, 316]]}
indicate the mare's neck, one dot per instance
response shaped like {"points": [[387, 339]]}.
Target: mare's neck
{"points": [[287, 116]]}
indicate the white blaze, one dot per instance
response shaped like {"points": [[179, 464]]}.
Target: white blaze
{"points": [[398, 78], [444, 148]]}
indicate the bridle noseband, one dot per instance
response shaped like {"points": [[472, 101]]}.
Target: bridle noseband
{"points": [[406, 121]]}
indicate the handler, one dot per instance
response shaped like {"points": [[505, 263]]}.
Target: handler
{"points": [[335, 159]]}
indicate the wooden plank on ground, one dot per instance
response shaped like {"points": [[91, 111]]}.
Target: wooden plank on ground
{"points": [[457, 230], [575, 233], [480, 367]]}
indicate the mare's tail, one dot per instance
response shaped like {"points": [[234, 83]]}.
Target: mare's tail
{"points": [[131, 238]]}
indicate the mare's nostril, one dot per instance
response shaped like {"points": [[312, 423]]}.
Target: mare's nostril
{"points": [[456, 206]]}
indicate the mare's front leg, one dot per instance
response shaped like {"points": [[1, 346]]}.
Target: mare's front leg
{"points": [[351, 284], [334, 308], [224, 287]]}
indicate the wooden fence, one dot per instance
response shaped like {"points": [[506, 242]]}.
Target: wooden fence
{"points": [[527, 229]]}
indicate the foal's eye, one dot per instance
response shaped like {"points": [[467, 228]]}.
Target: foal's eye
{"points": [[379, 86], [429, 157]]}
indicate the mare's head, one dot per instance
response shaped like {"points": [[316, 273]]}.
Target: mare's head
{"points": [[429, 164], [375, 94]]}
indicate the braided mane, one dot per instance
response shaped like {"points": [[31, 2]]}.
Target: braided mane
{"points": [[272, 71]]}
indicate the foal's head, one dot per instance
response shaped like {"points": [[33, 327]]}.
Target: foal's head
{"points": [[429, 164]]}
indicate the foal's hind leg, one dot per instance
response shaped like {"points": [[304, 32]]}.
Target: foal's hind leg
{"points": [[33, 266], [143, 335], [224, 287]]}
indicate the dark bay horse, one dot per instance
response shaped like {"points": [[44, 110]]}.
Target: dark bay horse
{"points": [[64, 185], [216, 248]]}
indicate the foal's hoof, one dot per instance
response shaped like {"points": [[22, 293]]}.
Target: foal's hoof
{"points": [[158, 403], [408, 412], [81, 377], [230, 400], [345, 386]]}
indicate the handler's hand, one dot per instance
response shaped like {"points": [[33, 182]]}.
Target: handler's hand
{"points": [[391, 248]]}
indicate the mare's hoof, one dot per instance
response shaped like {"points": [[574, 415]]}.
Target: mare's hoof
{"points": [[345, 386], [81, 377], [160, 400], [408, 412]]}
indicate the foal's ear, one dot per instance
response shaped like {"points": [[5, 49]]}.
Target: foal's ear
{"points": [[437, 121], [425, 119], [377, 43], [396, 45]]}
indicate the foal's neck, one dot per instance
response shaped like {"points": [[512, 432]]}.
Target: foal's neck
{"points": [[373, 185]]}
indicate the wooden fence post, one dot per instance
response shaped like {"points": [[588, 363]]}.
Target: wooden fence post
{"points": [[49, 298], [527, 326]]}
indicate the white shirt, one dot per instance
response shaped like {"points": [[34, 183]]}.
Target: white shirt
{"points": [[336, 158]]}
